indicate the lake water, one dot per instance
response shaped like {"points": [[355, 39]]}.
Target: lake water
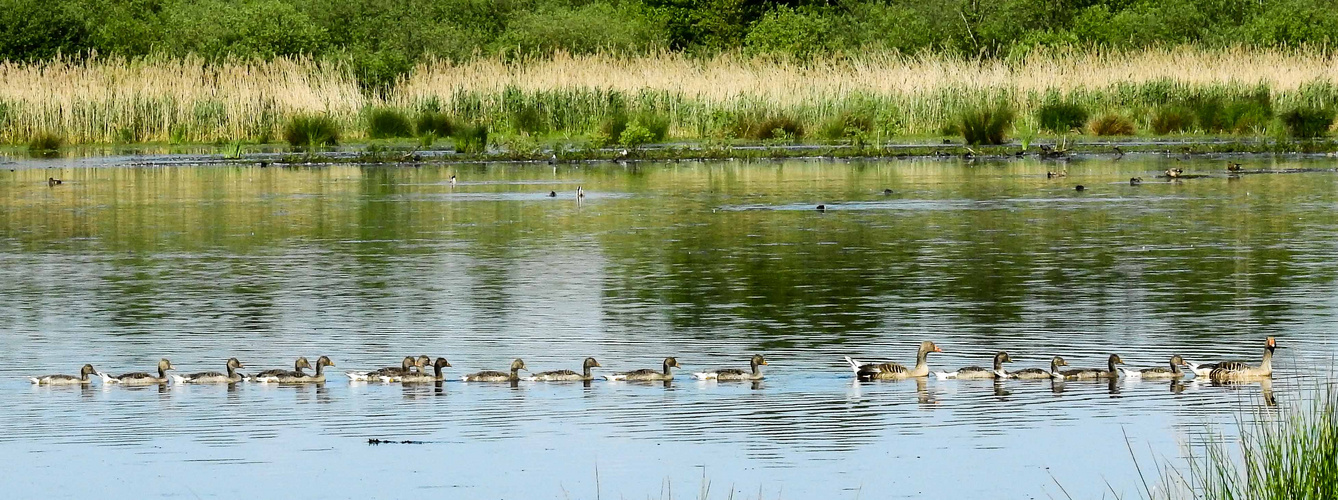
{"points": [[131, 260]]}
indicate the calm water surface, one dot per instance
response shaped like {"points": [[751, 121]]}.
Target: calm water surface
{"points": [[126, 263]]}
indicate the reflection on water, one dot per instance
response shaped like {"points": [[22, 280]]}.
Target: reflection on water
{"points": [[710, 263]]}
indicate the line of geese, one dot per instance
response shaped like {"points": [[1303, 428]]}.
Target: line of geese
{"points": [[414, 370], [1225, 371], [411, 370]]}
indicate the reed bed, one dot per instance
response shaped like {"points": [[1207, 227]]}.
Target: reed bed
{"points": [[191, 100]]}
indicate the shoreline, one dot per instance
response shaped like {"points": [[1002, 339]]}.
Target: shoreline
{"points": [[404, 153]]}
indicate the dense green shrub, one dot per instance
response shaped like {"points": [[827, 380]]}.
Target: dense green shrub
{"points": [[1111, 124], [1236, 114], [788, 32], [590, 28], [985, 124], [1061, 117], [1172, 119], [635, 135], [310, 131], [1307, 122], [386, 123]]}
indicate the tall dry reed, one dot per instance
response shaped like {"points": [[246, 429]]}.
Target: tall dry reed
{"points": [[109, 100]]}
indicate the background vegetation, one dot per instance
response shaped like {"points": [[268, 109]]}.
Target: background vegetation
{"points": [[384, 39]]}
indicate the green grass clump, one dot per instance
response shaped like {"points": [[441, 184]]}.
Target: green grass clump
{"points": [[1111, 124], [386, 123], [1307, 122], [310, 131], [766, 127], [434, 123], [529, 119], [45, 145], [1237, 115], [1061, 117], [1172, 120], [471, 138], [845, 125], [986, 124], [616, 124]]}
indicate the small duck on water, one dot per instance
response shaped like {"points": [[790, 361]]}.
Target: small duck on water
{"points": [[231, 377], [976, 372], [647, 374], [1041, 373], [735, 373], [496, 376], [66, 379], [893, 371], [567, 375], [141, 378], [1110, 372], [1159, 372]]}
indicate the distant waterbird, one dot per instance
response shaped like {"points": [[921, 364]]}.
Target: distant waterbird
{"points": [[452, 180], [1134, 181], [1234, 167], [52, 181], [552, 194], [580, 192], [893, 371], [141, 378], [1079, 188]]}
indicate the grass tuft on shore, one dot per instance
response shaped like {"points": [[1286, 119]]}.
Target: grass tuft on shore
{"points": [[985, 124], [311, 131], [45, 145], [1111, 124], [1307, 122], [388, 123]]}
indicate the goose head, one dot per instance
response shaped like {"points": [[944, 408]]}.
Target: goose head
{"points": [[927, 347], [758, 360], [1177, 360], [87, 370], [1058, 361], [422, 361], [164, 365], [324, 361], [590, 363], [671, 362], [234, 364], [518, 364], [1271, 344], [408, 362], [441, 363], [301, 363]]}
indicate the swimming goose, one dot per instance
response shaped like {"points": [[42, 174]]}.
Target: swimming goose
{"points": [[141, 378], [734, 373], [1174, 172], [295, 372], [300, 378], [976, 372], [413, 378], [213, 377], [1041, 373], [66, 379], [1094, 373], [494, 376], [1234, 167], [1231, 371], [1159, 372], [567, 375], [406, 367], [893, 371], [647, 373]]}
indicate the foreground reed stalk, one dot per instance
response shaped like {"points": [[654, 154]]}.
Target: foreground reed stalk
{"points": [[1288, 454], [167, 100]]}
